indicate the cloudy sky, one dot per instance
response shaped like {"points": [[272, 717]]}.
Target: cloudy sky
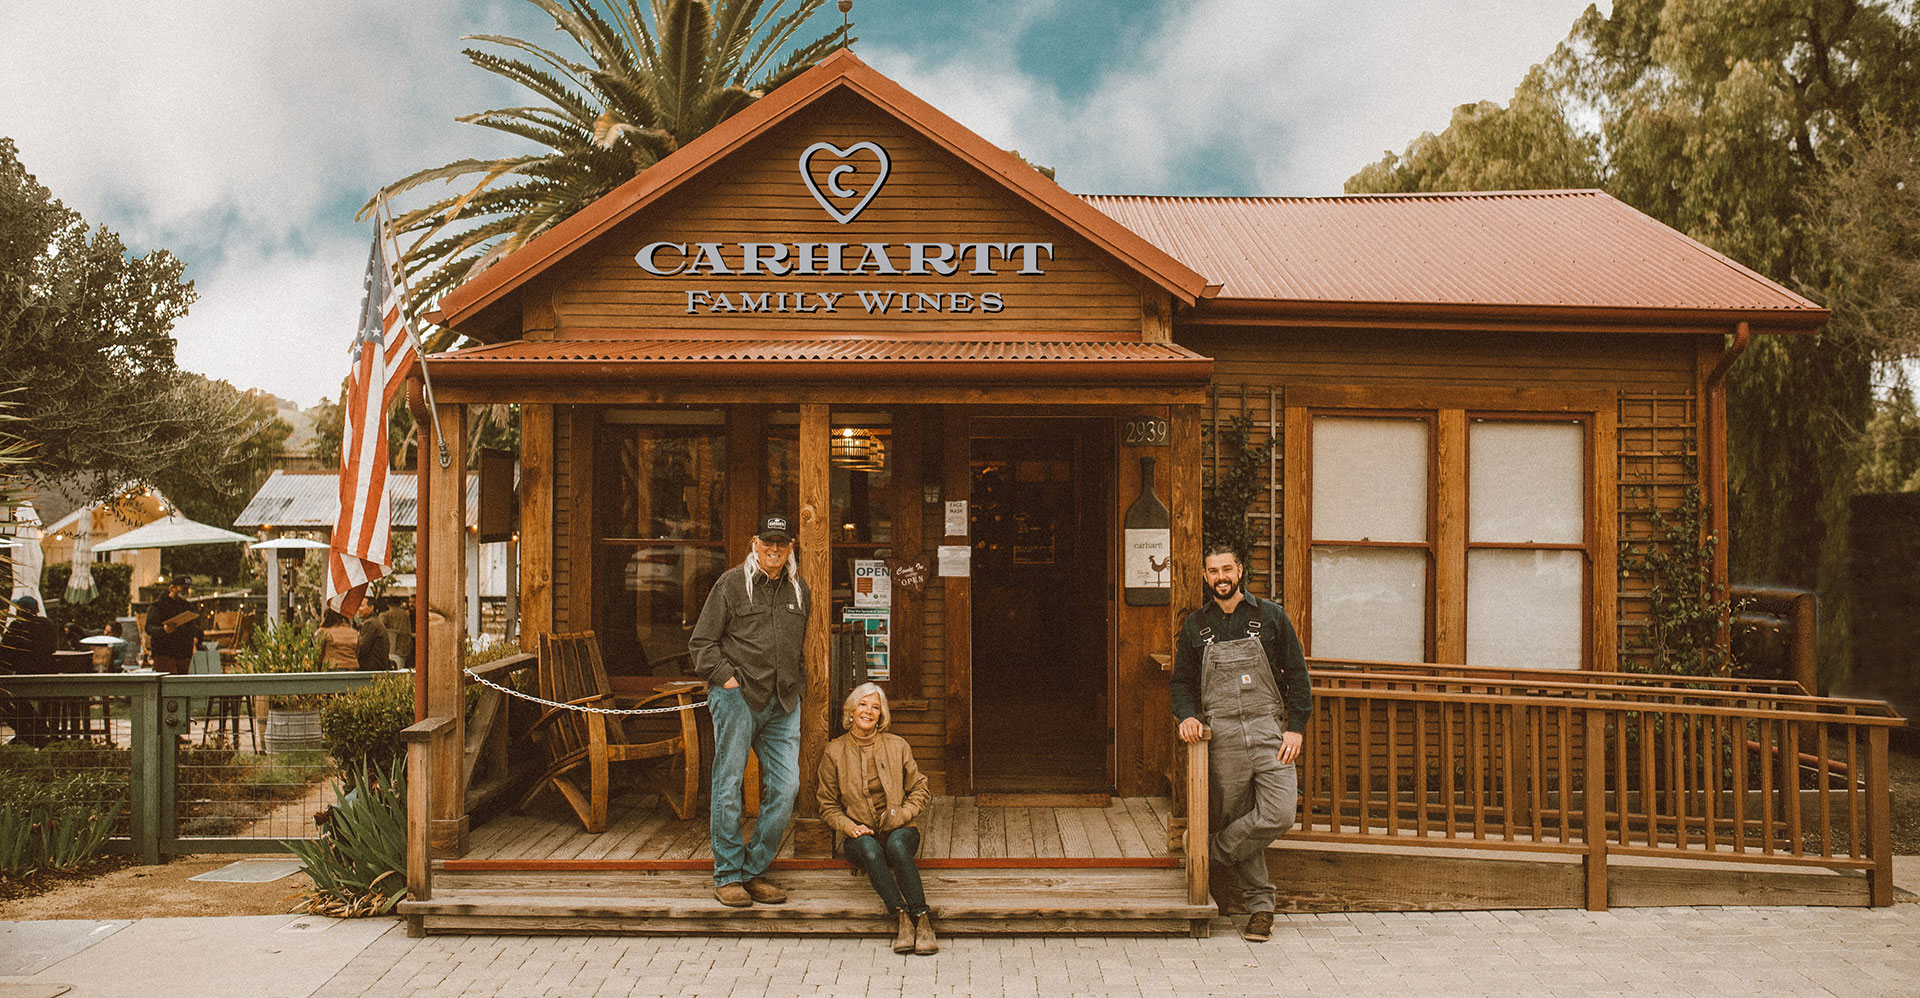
{"points": [[241, 135]]}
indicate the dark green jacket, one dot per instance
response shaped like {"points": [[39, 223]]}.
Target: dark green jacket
{"points": [[1284, 655], [758, 641]]}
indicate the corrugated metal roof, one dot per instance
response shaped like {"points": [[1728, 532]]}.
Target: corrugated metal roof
{"points": [[1521, 248], [710, 350], [311, 500]]}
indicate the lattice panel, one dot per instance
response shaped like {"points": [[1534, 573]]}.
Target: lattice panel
{"points": [[1265, 406], [1658, 447]]}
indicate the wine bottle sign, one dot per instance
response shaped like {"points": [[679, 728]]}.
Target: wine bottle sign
{"points": [[1147, 540]]}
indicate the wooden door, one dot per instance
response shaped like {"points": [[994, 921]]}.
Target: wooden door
{"points": [[1041, 610]]}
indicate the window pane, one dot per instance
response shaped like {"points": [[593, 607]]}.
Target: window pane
{"points": [[1524, 482], [1370, 603], [648, 600], [1369, 479], [661, 482], [1523, 608]]}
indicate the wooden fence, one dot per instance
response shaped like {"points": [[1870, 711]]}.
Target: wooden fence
{"points": [[1598, 764]]}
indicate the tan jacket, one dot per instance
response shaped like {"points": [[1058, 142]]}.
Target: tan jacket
{"points": [[843, 785]]}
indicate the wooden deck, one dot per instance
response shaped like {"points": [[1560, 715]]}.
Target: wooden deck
{"points": [[987, 870], [640, 830]]}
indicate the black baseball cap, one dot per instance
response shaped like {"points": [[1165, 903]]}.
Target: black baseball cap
{"points": [[774, 527]]}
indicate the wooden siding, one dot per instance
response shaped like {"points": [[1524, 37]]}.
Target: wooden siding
{"points": [[928, 196], [1641, 389]]}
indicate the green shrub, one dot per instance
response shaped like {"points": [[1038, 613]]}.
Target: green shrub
{"points": [[111, 580], [358, 864], [362, 726], [283, 648], [56, 823]]}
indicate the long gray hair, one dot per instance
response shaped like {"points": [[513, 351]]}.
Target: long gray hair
{"points": [[752, 567]]}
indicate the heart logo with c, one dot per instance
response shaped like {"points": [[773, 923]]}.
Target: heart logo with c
{"points": [[834, 175]]}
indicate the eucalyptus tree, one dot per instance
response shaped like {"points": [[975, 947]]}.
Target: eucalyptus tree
{"points": [[1738, 123], [642, 84]]}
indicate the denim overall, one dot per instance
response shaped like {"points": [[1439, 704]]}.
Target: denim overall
{"points": [[1257, 792]]}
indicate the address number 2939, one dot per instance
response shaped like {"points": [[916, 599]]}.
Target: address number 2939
{"points": [[1145, 431]]}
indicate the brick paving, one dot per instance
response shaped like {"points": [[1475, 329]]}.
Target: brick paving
{"points": [[1646, 951]]}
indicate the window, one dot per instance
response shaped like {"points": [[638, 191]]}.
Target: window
{"points": [[1480, 556], [658, 541], [1526, 543], [1371, 555]]}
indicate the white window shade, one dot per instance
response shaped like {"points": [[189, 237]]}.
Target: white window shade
{"points": [[1524, 483], [1523, 608], [1370, 480], [1370, 603]]}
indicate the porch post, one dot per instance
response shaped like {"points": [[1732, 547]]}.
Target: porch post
{"points": [[811, 836], [536, 524], [446, 522]]}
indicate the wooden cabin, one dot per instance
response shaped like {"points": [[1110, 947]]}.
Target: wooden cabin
{"points": [[843, 305]]}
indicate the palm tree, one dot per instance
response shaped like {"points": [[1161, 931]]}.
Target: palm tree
{"points": [[643, 94]]}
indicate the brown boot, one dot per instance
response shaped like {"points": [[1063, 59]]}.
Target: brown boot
{"points": [[903, 940], [923, 941]]}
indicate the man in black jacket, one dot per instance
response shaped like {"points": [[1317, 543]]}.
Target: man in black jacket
{"points": [[1239, 664], [30, 640], [173, 644]]}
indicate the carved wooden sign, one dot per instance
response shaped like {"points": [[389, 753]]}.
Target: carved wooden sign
{"points": [[909, 574]]}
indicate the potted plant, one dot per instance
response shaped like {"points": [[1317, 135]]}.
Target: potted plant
{"points": [[293, 720]]}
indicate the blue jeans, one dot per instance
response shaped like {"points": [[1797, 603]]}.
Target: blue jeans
{"points": [[888, 859], [774, 736]]}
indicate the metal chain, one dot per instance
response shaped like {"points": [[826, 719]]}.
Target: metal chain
{"points": [[484, 681]]}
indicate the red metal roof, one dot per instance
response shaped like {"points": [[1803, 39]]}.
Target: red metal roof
{"points": [[1540, 250], [831, 359]]}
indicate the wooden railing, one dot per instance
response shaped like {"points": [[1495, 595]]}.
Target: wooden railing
{"points": [[1597, 764]]}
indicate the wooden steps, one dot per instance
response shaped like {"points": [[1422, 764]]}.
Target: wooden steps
{"points": [[830, 901]]}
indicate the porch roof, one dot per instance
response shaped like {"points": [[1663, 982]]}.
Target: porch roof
{"points": [[814, 359]]}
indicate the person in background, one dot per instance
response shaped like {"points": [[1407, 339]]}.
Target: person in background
{"points": [[342, 642], [173, 644], [397, 618], [370, 652], [870, 791], [28, 644]]}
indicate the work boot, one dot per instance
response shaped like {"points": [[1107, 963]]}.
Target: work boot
{"points": [[763, 891], [734, 895], [923, 941], [1259, 927], [903, 940]]}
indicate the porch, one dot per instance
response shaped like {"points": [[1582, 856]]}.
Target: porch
{"points": [[987, 870]]}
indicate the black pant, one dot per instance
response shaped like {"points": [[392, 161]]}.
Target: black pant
{"points": [[888, 859]]}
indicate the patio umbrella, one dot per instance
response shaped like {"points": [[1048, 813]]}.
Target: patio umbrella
{"points": [[80, 589], [171, 532], [24, 551]]}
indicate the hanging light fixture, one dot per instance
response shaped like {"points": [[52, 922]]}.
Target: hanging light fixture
{"points": [[852, 447]]}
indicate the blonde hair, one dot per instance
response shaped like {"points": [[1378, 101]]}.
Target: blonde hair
{"points": [[860, 693], [752, 567]]}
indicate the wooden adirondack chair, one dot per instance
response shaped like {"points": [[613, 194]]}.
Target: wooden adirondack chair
{"points": [[570, 671]]}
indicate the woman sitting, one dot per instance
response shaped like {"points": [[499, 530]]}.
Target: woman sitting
{"points": [[870, 791]]}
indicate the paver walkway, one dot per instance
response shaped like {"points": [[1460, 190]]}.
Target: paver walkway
{"points": [[1648, 951]]}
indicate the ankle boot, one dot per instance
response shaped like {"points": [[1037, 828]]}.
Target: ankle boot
{"points": [[903, 940], [923, 940]]}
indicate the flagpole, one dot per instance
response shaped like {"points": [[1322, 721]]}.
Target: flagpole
{"points": [[385, 221]]}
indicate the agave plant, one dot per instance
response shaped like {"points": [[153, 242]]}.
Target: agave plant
{"points": [[358, 864], [649, 85]]}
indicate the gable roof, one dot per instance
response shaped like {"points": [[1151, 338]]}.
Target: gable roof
{"points": [[841, 71], [1565, 255], [310, 500]]}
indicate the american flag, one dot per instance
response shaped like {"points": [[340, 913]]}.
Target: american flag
{"points": [[382, 353]]}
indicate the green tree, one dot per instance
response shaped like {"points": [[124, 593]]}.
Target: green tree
{"points": [[1528, 145], [1890, 444], [86, 343], [1722, 119], [225, 473], [642, 91]]}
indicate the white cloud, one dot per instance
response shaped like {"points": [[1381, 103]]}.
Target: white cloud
{"points": [[242, 136], [1280, 98]]}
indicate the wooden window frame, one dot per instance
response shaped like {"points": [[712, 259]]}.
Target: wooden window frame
{"points": [[1451, 407]]}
